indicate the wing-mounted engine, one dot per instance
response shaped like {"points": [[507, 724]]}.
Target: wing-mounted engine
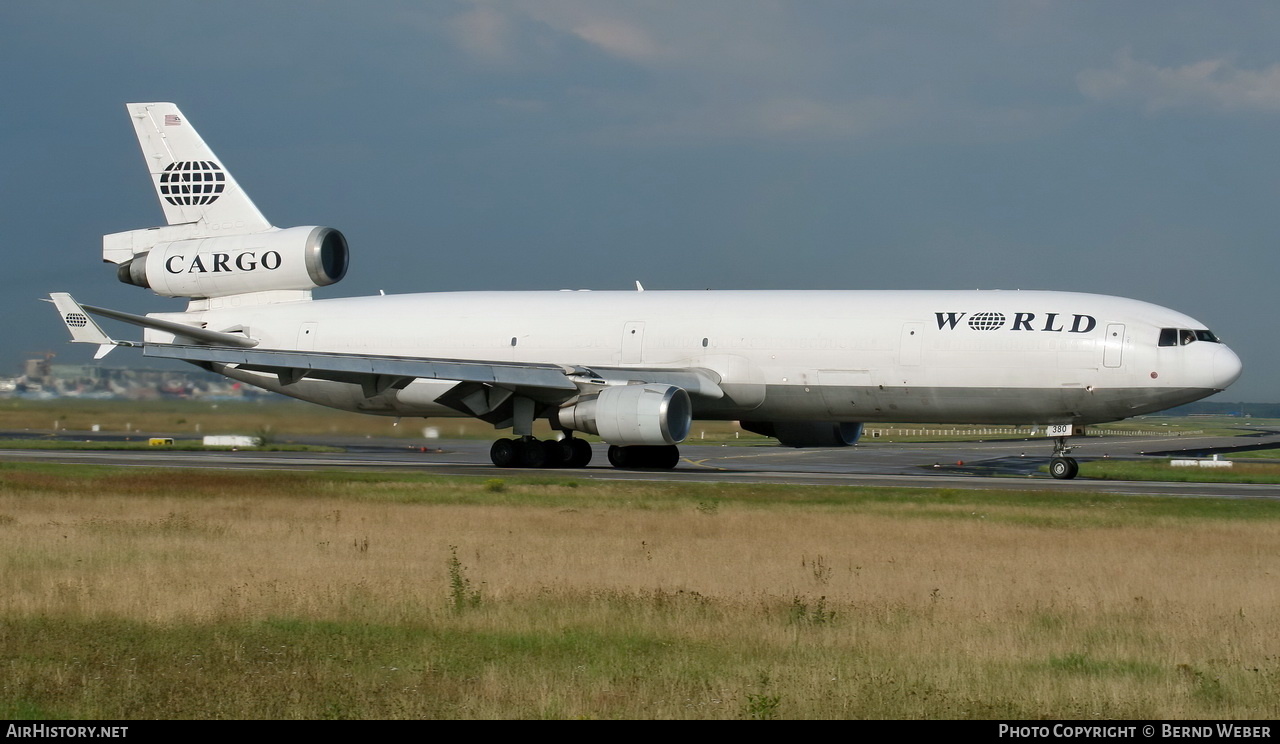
{"points": [[628, 415], [297, 258], [807, 433]]}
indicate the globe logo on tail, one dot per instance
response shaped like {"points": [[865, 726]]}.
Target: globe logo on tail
{"points": [[192, 182]]}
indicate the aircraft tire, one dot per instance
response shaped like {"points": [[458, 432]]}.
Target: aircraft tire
{"points": [[503, 453], [559, 453], [580, 452], [656, 457], [532, 453], [1064, 468], [664, 457]]}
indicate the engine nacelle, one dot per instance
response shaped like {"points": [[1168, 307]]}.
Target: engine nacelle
{"points": [[807, 433], [295, 258], [633, 414]]}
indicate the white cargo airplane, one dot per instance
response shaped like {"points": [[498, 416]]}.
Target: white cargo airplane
{"points": [[806, 367]]}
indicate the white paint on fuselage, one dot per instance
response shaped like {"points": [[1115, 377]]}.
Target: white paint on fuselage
{"points": [[791, 343]]}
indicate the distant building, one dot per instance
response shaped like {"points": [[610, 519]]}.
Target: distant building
{"points": [[42, 378]]}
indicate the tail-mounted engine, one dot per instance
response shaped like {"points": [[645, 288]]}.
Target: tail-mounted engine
{"points": [[297, 258]]}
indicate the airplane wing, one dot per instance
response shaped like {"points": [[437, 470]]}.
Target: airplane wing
{"points": [[477, 380], [541, 381]]}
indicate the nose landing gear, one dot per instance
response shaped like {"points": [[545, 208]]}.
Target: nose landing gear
{"points": [[1061, 466]]}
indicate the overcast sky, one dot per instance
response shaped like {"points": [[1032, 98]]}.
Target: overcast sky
{"points": [[1126, 148]]}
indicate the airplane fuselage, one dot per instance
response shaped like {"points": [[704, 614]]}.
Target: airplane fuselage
{"points": [[1026, 357]]}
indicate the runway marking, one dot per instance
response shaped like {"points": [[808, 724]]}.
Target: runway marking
{"points": [[701, 463], [771, 453]]}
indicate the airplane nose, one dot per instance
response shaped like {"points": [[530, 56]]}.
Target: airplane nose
{"points": [[1226, 368]]}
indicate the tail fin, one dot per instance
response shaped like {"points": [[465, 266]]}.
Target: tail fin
{"points": [[193, 187]]}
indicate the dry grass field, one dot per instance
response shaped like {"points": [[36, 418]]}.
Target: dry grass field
{"points": [[144, 594]]}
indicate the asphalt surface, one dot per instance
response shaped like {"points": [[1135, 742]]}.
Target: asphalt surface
{"points": [[1007, 464]]}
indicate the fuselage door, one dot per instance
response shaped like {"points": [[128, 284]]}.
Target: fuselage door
{"points": [[1113, 345], [632, 342]]}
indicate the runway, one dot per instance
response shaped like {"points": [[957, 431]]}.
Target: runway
{"points": [[1008, 464]]}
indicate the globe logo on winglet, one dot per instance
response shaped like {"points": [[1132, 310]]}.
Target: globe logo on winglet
{"points": [[191, 182], [986, 321]]}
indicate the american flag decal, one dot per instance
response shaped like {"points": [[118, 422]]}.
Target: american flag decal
{"points": [[172, 120]]}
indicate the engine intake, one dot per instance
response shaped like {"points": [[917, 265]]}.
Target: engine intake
{"points": [[807, 433], [295, 258], [633, 414]]}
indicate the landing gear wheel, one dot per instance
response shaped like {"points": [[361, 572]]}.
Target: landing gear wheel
{"points": [[1064, 468], [532, 453], [580, 452], [503, 453], [657, 457], [559, 453], [664, 458]]}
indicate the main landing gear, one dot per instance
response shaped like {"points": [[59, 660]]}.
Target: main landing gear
{"points": [[657, 457], [1061, 466], [529, 452], [572, 452]]}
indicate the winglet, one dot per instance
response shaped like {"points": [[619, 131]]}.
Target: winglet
{"points": [[84, 329]]}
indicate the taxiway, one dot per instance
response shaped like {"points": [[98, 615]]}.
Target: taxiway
{"points": [[1003, 464]]}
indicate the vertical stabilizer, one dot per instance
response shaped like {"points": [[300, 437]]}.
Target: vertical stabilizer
{"points": [[193, 186]]}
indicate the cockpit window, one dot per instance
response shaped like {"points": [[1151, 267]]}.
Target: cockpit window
{"points": [[1184, 336]]}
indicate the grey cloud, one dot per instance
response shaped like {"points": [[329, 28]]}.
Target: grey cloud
{"points": [[1208, 84]]}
